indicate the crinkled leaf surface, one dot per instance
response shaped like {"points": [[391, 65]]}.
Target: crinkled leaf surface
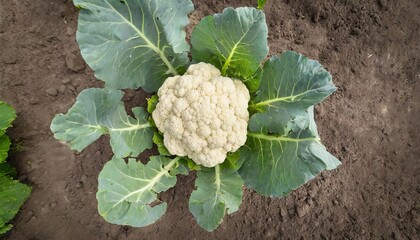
{"points": [[131, 44], [283, 149], [99, 111], [217, 190], [234, 41], [127, 191], [7, 115], [12, 195]]}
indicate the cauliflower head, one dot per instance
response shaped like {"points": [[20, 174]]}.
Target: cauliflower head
{"points": [[202, 114]]}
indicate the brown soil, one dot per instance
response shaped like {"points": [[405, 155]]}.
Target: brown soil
{"points": [[370, 47]]}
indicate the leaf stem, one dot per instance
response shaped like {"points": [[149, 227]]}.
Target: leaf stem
{"points": [[278, 99], [168, 64], [229, 59], [130, 128], [280, 138], [217, 176]]}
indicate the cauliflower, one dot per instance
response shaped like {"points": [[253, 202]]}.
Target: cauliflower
{"points": [[202, 114]]}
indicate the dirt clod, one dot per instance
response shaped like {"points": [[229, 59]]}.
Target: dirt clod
{"points": [[62, 88], [52, 91], [66, 81], [33, 100], [75, 62], [302, 210]]}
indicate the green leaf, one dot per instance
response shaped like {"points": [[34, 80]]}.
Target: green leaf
{"points": [[261, 4], [99, 111], [293, 78], [232, 161], [6, 228], [7, 170], [283, 149], [234, 41], [131, 44], [126, 192], [276, 165], [7, 115], [216, 191], [12, 195], [151, 103], [158, 140], [4, 147], [253, 82], [191, 165]]}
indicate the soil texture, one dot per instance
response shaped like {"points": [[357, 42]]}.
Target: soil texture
{"points": [[372, 50]]}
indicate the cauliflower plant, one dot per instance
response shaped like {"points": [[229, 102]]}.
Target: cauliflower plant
{"points": [[202, 114]]}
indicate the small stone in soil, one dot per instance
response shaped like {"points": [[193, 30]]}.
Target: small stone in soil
{"points": [[283, 212], [74, 62], [52, 92], [33, 101], [61, 89], [291, 212], [311, 193], [66, 81], [302, 210]]}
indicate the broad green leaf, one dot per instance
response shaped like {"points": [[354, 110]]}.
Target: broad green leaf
{"points": [[12, 195], [234, 41], [7, 115], [283, 150], [131, 44], [100, 111], [275, 165], [291, 84], [293, 78], [217, 190], [261, 4], [127, 192], [4, 147]]}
